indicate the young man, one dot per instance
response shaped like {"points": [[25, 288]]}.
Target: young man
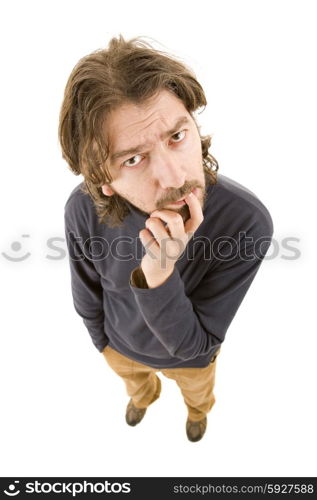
{"points": [[162, 249]]}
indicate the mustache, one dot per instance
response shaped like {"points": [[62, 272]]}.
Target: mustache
{"points": [[175, 195]]}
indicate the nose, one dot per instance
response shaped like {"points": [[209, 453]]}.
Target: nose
{"points": [[166, 169]]}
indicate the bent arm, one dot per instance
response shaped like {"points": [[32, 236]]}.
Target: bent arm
{"points": [[188, 326]]}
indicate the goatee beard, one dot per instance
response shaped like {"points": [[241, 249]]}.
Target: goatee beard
{"points": [[184, 212]]}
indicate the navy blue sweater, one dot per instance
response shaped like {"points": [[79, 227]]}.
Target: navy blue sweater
{"points": [[182, 322]]}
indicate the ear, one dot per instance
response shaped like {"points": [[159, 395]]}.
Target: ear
{"points": [[106, 189]]}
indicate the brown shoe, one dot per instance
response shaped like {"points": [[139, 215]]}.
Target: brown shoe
{"points": [[133, 414], [196, 430]]}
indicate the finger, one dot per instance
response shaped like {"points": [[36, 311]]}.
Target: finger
{"points": [[150, 244], [174, 221], [196, 213], [157, 228]]}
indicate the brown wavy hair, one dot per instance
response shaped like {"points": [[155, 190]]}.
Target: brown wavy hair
{"points": [[127, 71]]}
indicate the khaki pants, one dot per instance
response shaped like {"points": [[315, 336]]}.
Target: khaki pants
{"points": [[144, 386]]}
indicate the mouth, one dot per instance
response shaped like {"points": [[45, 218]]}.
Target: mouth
{"points": [[181, 201]]}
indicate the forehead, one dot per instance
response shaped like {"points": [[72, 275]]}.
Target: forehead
{"points": [[131, 123]]}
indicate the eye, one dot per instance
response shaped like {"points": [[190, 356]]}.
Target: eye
{"points": [[132, 162], [179, 136]]}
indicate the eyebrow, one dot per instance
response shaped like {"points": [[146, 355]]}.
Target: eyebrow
{"points": [[140, 147]]}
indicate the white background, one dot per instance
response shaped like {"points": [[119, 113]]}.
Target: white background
{"points": [[62, 407]]}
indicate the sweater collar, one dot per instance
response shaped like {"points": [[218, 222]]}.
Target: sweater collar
{"points": [[136, 216]]}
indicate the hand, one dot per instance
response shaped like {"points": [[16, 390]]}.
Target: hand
{"points": [[167, 243]]}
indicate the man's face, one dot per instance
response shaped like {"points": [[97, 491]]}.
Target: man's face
{"points": [[155, 155]]}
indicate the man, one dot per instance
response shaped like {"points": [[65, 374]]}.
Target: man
{"points": [[162, 249]]}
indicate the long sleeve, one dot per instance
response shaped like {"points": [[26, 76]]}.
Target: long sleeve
{"points": [[188, 326], [86, 288]]}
